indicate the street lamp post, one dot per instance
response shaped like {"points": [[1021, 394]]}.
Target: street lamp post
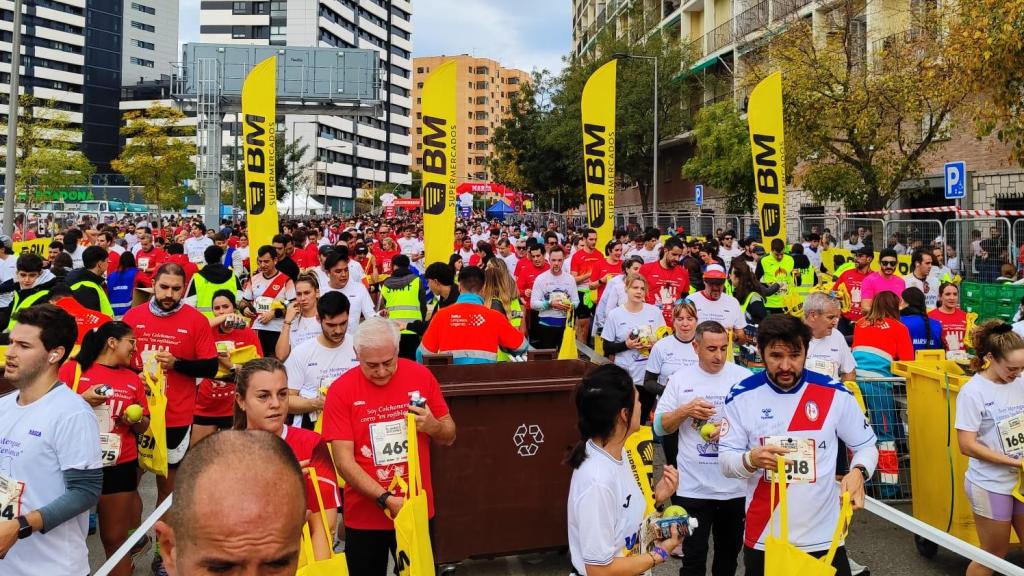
{"points": [[654, 176]]}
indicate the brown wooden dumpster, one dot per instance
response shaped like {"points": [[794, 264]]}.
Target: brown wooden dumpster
{"points": [[502, 487]]}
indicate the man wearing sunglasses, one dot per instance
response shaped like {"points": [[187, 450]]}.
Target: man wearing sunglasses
{"points": [[885, 280]]}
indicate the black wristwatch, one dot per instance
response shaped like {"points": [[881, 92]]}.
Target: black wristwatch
{"points": [[382, 500], [24, 528], [863, 471]]}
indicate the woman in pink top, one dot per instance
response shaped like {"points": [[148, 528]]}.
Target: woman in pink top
{"points": [[885, 280]]}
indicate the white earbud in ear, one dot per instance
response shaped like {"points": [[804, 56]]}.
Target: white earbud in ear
{"points": [[53, 357]]}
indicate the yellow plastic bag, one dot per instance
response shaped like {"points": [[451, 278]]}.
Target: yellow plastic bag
{"points": [[1020, 480], [413, 553], [782, 558], [238, 356], [153, 443], [568, 350], [308, 565]]}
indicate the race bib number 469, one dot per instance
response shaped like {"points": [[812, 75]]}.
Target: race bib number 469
{"points": [[800, 461], [390, 442]]}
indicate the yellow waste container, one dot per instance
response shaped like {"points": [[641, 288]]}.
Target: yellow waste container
{"points": [[937, 468]]}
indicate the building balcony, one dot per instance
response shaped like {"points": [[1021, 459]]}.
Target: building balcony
{"points": [[752, 19], [721, 37], [697, 48], [783, 8]]}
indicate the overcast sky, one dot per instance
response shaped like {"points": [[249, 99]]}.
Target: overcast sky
{"points": [[524, 34]]}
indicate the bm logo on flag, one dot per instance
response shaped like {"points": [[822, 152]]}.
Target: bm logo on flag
{"points": [[435, 198], [771, 219], [595, 210]]}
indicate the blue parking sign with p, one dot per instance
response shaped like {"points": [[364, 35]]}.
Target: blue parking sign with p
{"points": [[956, 180], [698, 193]]}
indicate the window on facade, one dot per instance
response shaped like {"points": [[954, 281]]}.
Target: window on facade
{"points": [[143, 26], [239, 7], [143, 8], [143, 44], [142, 62], [238, 31]]}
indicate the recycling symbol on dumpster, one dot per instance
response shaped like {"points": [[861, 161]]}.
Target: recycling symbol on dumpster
{"points": [[527, 439]]}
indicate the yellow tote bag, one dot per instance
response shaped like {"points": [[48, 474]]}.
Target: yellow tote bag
{"points": [[782, 558], [308, 565], [568, 350], [153, 443], [414, 554]]}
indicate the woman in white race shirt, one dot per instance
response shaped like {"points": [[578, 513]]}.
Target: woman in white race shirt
{"points": [[606, 506], [629, 333], [989, 435], [669, 355], [614, 292]]}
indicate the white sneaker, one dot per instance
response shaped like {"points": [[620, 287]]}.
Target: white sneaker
{"points": [[857, 569]]}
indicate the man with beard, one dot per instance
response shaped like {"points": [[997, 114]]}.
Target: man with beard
{"points": [[667, 280], [265, 298], [801, 415], [148, 256], [177, 337], [51, 474]]}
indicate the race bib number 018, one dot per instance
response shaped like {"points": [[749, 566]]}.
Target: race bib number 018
{"points": [[800, 461], [390, 442], [1011, 436]]}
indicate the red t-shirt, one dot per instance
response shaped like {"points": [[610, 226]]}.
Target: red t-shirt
{"points": [[148, 262], [216, 398], [526, 274], [128, 389], [182, 260], [584, 262], [353, 406], [852, 279], [602, 269], [305, 259], [186, 335], [954, 327], [308, 445], [664, 287], [383, 258]]}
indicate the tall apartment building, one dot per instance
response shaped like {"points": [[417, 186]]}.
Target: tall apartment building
{"points": [[150, 31], [348, 152], [484, 92], [726, 37], [73, 52]]}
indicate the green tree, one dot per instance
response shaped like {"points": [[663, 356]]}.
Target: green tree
{"points": [[158, 155], [48, 155], [988, 35], [860, 119], [722, 158], [539, 147]]}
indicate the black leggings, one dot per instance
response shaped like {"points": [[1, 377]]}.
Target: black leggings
{"points": [[647, 402], [723, 519], [268, 341]]}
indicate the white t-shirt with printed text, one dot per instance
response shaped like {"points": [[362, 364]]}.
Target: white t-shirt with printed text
{"points": [[605, 510], [697, 460], [981, 405], [830, 356], [312, 366], [726, 310], [669, 355], [38, 443], [617, 328]]}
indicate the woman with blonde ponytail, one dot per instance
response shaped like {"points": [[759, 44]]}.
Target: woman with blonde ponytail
{"points": [[988, 410]]}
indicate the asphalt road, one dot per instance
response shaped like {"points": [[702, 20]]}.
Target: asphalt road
{"points": [[883, 547]]}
